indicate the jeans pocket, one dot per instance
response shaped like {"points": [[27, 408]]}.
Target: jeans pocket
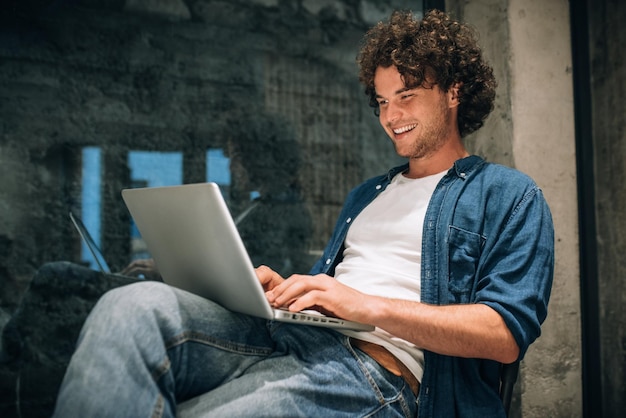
{"points": [[393, 395]]}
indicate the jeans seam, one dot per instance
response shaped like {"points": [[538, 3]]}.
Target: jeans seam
{"points": [[191, 336], [161, 369], [400, 399], [383, 402], [159, 408], [370, 379]]}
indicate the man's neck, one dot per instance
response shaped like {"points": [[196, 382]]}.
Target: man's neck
{"points": [[437, 162]]}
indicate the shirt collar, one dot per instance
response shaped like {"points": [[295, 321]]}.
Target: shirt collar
{"points": [[461, 168]]}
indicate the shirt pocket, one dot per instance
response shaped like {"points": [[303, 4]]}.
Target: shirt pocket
{"points": [[464, 253]]}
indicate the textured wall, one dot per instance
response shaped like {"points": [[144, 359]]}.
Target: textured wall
{"points": [[275, 87], [532, 129], [529, 44], [544, 146], [608, 67]]}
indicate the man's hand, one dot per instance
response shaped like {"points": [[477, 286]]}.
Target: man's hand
{"points": [[321, 293], [269, 278], [145, 268]]}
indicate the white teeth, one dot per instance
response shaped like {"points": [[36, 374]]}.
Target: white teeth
{"points": [[404, 129]]}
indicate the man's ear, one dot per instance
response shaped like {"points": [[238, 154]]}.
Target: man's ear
{"points": [[454, 94]]}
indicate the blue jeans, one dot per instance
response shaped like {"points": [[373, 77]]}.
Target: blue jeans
{"points": [[151, 350]]}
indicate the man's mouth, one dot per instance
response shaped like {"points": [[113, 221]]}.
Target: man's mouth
{"points": [[404, 129]]}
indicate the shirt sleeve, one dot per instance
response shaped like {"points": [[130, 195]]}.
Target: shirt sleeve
{"points": [[516, 272]]}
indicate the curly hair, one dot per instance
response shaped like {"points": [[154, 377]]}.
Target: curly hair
{"points": [[434, 51]]}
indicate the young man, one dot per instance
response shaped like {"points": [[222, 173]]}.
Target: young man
{"points": [[449, 257]]}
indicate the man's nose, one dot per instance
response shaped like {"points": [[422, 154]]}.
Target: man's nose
{"points": [[392, 113]]}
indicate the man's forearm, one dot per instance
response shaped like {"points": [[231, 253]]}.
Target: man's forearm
{"points": [[471, 331]]}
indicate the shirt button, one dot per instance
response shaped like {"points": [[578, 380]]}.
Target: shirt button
{"points": [[378, 187], [348, 220], [462, 175], [327, 261]]}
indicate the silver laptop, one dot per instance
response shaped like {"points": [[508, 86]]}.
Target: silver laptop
{"points": [[195, 244]]}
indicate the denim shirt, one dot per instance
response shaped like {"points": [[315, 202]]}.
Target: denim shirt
{"points": [[487, 238]]}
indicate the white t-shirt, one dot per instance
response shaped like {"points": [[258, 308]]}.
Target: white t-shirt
{"points": [[383, 255]]}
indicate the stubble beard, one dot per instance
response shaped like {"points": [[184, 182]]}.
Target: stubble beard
{"points": [[430, 138]]}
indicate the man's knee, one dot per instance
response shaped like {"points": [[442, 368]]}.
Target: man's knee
{"points": [[137, 296]]}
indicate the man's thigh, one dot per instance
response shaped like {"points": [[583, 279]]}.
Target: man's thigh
{"points": [[311, 373], [205, 344], [149, 340]]}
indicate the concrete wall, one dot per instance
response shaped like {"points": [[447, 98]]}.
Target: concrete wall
{"points": [[532, 129], [544, 146]]}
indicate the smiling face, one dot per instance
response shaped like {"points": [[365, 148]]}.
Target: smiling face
{"points": [[421, 121]]}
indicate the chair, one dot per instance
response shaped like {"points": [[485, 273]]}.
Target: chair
{"points": [[508, 377]]}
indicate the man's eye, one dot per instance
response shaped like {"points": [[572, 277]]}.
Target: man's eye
{"points": [[407, 96], [382, 102]]}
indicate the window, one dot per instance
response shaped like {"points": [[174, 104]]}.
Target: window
{"points": [[146, 169]]}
